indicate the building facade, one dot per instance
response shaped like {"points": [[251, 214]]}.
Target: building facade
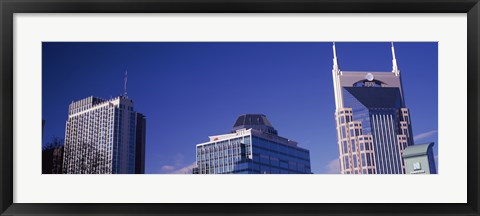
{"points": [[100, 137], [252, 147], [419, 159], [372, 122]]}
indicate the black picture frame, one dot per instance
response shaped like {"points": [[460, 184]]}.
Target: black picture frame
{"points": [[9, 7]]}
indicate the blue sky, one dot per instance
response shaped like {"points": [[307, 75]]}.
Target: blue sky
{"points": [[191, 90]]}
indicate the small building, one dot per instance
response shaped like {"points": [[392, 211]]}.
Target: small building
{"points": [[419, 159]]}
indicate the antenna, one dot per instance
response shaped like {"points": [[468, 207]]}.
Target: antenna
{"points": [[336, 79], [394, 62], [125, 85], [335, 62]]}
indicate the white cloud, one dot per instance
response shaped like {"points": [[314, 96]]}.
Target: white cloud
{"points": [[424, 135], [185, 170], [167, 168], [333, 167], [171, 169]]}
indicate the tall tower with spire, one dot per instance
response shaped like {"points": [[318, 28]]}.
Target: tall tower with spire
{"points": [[373, 125]]}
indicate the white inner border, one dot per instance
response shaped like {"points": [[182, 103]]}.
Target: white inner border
{"points": [[450, 30]]}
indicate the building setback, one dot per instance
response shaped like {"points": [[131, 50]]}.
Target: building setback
{"points": [[100, 137], [373, 124], [253, 146]]}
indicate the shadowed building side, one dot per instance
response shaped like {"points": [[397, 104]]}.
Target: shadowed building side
{"points": [[141, 129]]}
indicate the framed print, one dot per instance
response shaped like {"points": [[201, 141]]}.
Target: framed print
{"points": [[201, 107]]}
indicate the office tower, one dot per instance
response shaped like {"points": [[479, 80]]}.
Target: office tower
{"points": [[372, 121], [253, 146], [100, 136], [419, 159], [140, 144]]}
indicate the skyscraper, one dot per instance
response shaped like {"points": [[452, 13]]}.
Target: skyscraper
{"points": [[373, 124], [253, 146], [100, 137]]}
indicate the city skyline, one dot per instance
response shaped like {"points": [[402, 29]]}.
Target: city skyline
{"points": [[199, 73]]}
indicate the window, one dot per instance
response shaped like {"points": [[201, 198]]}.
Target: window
{"points": [[346, 162]]}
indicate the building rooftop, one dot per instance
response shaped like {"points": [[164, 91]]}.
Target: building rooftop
{"points": [[252, 119], [417, 150], [255, 121]]}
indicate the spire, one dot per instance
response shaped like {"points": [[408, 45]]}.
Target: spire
{"points": [[125, 85], [394, 62], [336, 80], [335, 62]]}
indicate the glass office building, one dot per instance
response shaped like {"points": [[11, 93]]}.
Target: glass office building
{"points": [[100, 137], [373, 125], [252, 147]]}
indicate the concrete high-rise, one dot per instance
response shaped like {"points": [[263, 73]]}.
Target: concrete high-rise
{"points": [[252, 147], [373, 124], [101, 137]]}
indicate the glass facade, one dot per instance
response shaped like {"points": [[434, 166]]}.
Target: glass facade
{"points": [[227, 156]]}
